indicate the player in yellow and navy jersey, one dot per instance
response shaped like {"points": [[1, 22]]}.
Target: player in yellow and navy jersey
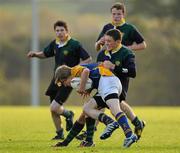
{"points": [[96, 71], [108, 87]]}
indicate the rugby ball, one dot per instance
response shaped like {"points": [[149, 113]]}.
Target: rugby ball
{"points": [[75, 82]]}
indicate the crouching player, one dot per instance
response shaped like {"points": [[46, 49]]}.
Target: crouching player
{"points": [[109, 88]]}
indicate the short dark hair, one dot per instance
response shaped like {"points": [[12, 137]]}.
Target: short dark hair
{"points": [[60, 24], [115, 34], [119, 6]]}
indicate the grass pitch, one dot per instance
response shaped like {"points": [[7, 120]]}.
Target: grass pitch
{"points": [[27, 129]]}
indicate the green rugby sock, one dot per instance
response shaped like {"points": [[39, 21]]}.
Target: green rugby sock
{"points": [[136, 122], [66, 113]]}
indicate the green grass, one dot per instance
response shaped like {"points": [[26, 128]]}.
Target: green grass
{"points": [[27, 129]]}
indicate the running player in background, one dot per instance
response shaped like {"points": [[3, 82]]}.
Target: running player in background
{"points": [[68, 51]]}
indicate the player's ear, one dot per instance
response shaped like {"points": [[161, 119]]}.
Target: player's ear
{"points": [[58, 82], [118, 41]]}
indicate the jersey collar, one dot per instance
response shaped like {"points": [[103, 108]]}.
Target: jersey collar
{"points": [[62, 44], [121, 22], [107, 53]]}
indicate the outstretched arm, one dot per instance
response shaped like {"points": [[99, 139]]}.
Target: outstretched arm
{"points": [[37, 54]]}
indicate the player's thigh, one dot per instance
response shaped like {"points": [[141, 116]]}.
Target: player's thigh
{"points": [[100, 102], [62, 94], [109, 85], [91, 104], [55, 106], [52, 89], [114, 106]]}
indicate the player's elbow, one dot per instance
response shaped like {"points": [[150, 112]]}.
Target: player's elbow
{"points": [[144, 45], [89, 60], [86, 71], [133, 74]]}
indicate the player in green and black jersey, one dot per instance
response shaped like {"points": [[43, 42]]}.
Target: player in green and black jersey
{"points": [[68, 51], [133, 40]]}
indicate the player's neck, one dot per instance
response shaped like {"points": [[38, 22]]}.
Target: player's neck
{"points": [[62, 42], [120, 23]]}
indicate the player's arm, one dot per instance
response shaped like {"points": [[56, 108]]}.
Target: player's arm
{"points": [[109, 65], [48, 52], [86, 61], [84, 56], [84, 78], [100, 41], [137, 47], [38, 54], [99, 44], [128, 69], [138, 40]]}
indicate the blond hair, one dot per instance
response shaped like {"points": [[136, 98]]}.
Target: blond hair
{"points": [[62, 73]]}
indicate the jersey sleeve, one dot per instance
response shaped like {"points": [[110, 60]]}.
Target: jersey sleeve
{"points": [[77, 70], [102, 33], [128, 68], [82, 52], [49, 50], [136, 36], [101, 57], [104, 30]]}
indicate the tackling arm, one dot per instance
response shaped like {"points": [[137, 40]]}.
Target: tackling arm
{"points": [[128, 69]]}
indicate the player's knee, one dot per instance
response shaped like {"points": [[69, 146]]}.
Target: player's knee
{"points": [[54, 107], [85, 109], [114, 106]]}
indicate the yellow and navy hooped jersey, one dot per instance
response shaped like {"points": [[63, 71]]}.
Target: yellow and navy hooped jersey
{"points": [[96, 71]]}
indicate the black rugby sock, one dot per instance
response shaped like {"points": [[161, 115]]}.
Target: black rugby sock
{"points": [[105, 119], [76, 129], [90, 124]]}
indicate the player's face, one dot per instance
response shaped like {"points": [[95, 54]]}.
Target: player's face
{"points": [[117, 15], [61, 33], [66, 82], [110, 43]]}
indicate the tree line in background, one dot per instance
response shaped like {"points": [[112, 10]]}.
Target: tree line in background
{"points": [[158, 73]]}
